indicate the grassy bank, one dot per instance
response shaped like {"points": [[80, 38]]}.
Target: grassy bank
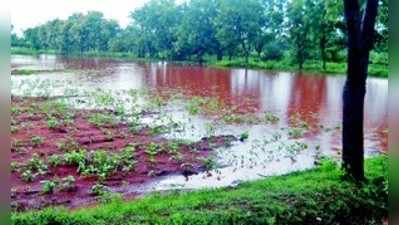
{"points": [[317, 196], [375, 69]]}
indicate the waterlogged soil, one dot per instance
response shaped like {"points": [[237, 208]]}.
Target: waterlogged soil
{"points": [[35, 139]]}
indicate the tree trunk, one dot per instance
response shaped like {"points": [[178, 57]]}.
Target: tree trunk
{"points": [[219, 56], [360, 41], [323, 40]]}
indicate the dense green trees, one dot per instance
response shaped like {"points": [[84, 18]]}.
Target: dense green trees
{"points": [[295, 31]]}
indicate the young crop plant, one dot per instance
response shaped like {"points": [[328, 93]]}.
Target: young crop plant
{"points": [[36, 164], [209, 163], [152, 150], [102, 119], [15, 111], [210, 129], [194, 105], [127, 160], [174, 147], [37, 140], [98, 189], [271, 118], [49, 186], [68, 184], [75, 158], [68, 145], [14, 166], [28, 176], [52, 123], [55, 160], [244, 136], [296, 132]]}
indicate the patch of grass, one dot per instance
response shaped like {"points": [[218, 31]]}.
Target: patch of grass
{"points": [[318, 196], [375, 69], [30, 72]]}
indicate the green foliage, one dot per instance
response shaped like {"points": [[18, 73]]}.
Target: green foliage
{"points": [[271, 118], [101, 119], [279, 34], [98, 189], [28, 175], [55, 160], [244, 136], [67, 183], [52, 123], [48, 186], [37, 140], [152, 150], [318, 196]]}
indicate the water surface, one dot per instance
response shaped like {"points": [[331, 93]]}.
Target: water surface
{"points": [[315, 99]]}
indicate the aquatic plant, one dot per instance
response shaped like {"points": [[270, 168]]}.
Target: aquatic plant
{"points": [[244, 136], [271, 118], [296, 132]]}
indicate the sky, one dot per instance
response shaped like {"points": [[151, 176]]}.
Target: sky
{"points": [[29, 13]]}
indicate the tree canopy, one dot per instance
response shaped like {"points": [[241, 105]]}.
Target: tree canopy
{"points": [[298, 31]]}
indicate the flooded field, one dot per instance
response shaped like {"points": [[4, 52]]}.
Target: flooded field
{"points": [[276, 122]]}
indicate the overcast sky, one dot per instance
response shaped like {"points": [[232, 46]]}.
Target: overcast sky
{"points": [[29, 13]]}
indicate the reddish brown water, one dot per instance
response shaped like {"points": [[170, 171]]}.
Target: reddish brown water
{"points": [[314, 98]]}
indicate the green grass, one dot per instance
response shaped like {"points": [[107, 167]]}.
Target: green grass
{"points": [[30, 72], [30, 51], [318, 196], [375, 70]]}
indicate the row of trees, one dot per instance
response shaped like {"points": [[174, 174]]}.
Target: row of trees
{"points": [[268, 29]]}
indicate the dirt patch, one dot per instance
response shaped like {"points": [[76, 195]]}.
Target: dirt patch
{"points": [[62, 156]]}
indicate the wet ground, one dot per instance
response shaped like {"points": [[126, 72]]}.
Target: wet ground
{"points": [[287, 121]]}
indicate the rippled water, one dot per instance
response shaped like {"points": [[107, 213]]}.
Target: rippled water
{"points": [[315, 99]]}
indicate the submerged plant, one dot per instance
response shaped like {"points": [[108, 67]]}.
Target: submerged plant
{"points": [[271, 118], [296, 132], [244, 136]]}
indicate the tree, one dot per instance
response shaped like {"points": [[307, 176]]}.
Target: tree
{"points": [[158, 20], [360, 32], [324, 16], [299, 31], [238, 23], [196, 34]]}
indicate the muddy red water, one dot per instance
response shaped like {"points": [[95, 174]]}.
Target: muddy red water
{"points": [[314, 98]]}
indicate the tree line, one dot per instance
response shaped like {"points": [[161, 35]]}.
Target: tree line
{"points": [[295, 30]]}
